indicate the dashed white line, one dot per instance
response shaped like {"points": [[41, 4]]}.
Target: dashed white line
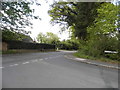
{"points": [[45, 63], [34, 60], [55, 57], [13, 65], [1, 67], [40, 59], [25, 62], [46, 58]]}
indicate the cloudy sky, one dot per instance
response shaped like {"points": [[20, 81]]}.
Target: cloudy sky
{"points": [[44, 25]]}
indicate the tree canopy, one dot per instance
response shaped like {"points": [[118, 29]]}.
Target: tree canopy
{"points": [[10, 35], [49, 38], [15, 16], [79, 15], [95, 24]]}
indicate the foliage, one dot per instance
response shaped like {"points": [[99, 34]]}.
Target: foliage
{"points": [[16, 15], [103, 59], [118, 28], [41, 38], [49, 38], [79, 15], [94, 23], [96, 47], [52, 38], [11, 35], [28, 45], [69, 44], [103, 33], [106, 20]]}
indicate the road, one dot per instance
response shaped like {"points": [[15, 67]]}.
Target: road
{"points": [[53, 70]]}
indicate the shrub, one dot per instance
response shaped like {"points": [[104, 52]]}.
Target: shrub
{"points": [[26, 45]]}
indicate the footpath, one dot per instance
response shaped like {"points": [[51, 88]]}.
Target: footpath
{"points": [[93, 62]]}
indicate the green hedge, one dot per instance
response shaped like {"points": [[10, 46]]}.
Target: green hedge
{"points": [[26, 45]]}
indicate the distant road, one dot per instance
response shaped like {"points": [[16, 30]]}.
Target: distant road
{"points": [[53, 70]]}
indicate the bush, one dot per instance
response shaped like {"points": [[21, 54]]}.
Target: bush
{"points": [[26, 45], [112, 56], [69, 45], [96, 47]]}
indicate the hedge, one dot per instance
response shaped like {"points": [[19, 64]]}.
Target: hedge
{"points": [[28, 45]]}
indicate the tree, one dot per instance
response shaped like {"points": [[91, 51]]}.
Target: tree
{"points": [[79, 15], [16, 15], [105, 23], [94, 23], [69, 44], [103, 33], [10, 35], [41, 38], [49, 38], [52, 38]]}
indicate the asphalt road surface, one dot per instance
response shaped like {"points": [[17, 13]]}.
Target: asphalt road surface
{"points": [[53, 70]]}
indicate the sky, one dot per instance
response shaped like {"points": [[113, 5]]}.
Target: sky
{"points": [[44, 25]]}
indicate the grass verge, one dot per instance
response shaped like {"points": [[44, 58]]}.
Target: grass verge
{"points": [[102, 59], [11, 52], [23, 51]]}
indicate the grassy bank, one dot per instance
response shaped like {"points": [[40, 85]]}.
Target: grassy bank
{"points": [[102, 59]]}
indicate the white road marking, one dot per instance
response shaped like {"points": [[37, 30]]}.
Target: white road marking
{"points": [[45, 63], [46, 58], [13, 65], [80, 59], [25, 62], [1, 67], [40, 59], [89, 62], [34, 60], [105, 65]]}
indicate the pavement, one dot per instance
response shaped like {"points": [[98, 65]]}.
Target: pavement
{"points": [[94, 62], [54, 70]]}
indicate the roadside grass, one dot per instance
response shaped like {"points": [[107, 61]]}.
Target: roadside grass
{"points": [[0, 52], [102, 59], [23, 51], [10, 52]]}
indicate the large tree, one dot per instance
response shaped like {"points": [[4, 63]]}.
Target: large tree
{"points": [[79, 15]]}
